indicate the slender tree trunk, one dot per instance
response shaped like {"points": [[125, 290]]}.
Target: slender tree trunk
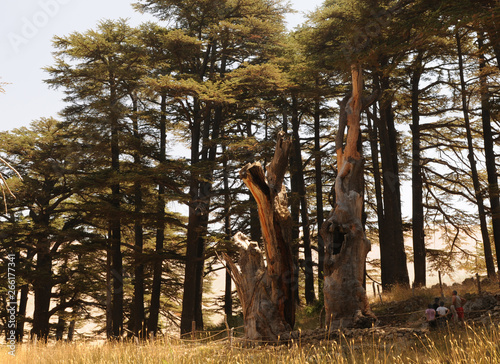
{"points": [[42, 288], [416, 173], [319, 194], [109, 290], [208, 155], [295, 230], [306, 238], [377, 178], [294, 201], [392, 254], [198, 219], [211, 135], [61, 321], [491, 170], [154, 309], [60, 326], [200, 192], [200, 261], [21, 319], [255, 233], [115, 223], [345, 241], [267, 290], [304, 213], [488, 256], [228, 291], [194, 231], [138, 303], [71, 330], [117, 277]]}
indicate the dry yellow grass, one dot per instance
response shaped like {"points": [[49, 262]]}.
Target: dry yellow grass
{"points": [[471, 344], [466, 345]]}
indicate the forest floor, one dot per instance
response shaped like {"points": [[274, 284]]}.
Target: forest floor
{"points": [[401, 335]]}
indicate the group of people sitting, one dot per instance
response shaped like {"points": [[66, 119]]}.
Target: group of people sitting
{"points": [[437, 314]]}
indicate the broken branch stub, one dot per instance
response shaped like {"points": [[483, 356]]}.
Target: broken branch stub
{"points": [[267, 287]]}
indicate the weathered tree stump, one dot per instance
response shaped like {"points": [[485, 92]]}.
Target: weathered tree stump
{"points": [[346, 245], [265, 281]]}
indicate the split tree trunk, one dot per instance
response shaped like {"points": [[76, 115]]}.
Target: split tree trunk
{"points": [[266, 284], [346, 245], [302, 199]]}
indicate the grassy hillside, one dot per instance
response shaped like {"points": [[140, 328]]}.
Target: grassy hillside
{"points": [[472, 345], [402, 337]]}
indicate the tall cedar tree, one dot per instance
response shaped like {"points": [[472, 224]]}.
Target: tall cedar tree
{"points": [[490, 267], [95, 69], [161, 49], [488, 26], [489, 149], [228, 36], [46, 164], [342, 37], [313, 86]]}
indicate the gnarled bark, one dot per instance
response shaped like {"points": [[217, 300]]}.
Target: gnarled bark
{"points": [[346, 245], [265, 281]]}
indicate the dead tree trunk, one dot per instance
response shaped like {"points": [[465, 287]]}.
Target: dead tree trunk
{"points": [[265, 281], [346, 245]]}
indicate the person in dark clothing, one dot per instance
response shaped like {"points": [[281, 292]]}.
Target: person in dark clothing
{"points": [[435, 305]]}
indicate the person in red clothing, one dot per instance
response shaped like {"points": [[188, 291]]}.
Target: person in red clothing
{"points": [[458, 302]]}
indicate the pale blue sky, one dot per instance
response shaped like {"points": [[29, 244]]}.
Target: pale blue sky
{"points": [[26, 30]]}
